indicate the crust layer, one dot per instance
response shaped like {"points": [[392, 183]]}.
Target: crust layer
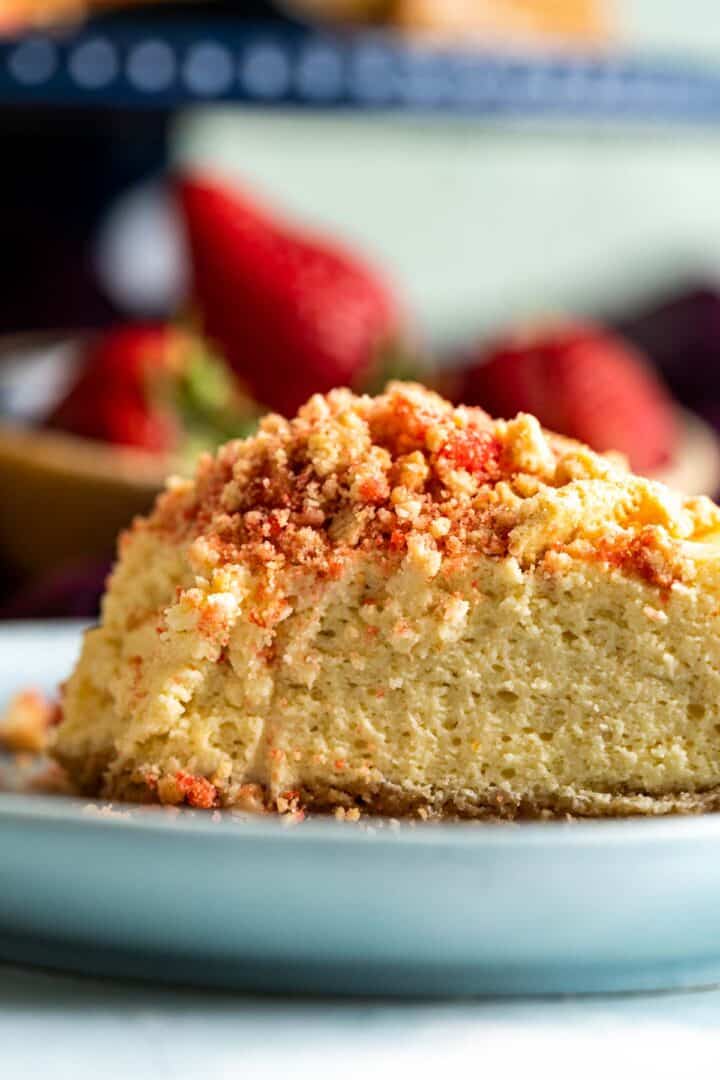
{"points": [[390, 801]]}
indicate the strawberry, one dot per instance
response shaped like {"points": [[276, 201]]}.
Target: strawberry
{"points": [[293, 313], [112, 398], [154, 387], [581, 381]]}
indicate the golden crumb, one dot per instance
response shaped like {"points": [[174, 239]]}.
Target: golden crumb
{"points": [[25, 724]]}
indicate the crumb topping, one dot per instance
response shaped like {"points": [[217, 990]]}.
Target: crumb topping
{"points": [[405, 475]]}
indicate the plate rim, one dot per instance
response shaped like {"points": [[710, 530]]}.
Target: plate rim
{"points": [[107, 815]]}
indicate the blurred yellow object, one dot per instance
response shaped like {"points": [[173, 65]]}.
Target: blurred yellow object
{"points": [[507, 19], [65, 497], [17, 15]]}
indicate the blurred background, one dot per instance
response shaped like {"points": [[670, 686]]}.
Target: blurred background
{"points": [[208, 210]]}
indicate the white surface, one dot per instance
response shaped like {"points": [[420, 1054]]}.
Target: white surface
{"points": [[669, 26], [66, 1028]]}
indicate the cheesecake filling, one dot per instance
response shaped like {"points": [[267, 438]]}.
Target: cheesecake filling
{"points": [[391, 605]]}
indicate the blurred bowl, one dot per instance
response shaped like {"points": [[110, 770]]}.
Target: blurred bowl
{"points": [[64, 498]]}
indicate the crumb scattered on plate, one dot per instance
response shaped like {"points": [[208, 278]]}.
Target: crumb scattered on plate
{"points": [[26, 721]]}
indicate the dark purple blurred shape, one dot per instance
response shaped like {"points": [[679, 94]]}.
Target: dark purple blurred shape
{"points": [[682, 336], [73, 591]]}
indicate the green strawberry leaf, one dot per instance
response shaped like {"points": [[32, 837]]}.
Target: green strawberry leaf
{"points": [[210, 404]]}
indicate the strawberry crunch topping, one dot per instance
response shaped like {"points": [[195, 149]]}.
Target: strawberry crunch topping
{"points": [[407, 475], [196, 791]]}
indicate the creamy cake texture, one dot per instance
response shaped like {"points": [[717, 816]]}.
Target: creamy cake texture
{"points": [[393, 605]]}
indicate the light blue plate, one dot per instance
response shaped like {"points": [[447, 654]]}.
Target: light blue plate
{"points": [[342, 908]]}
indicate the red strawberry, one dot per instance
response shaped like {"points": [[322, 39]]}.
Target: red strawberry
{"points": [[158, 388], [581, 381], [115, 397], [292, 313]]}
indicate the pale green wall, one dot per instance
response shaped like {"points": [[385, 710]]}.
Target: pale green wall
{"points": [[479, 224], [671, 25]]}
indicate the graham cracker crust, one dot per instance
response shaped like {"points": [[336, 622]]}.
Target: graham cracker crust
{"points": [[388, 800], [503, 806]]}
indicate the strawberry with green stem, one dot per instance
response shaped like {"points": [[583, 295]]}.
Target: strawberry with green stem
{"points": [[295, 314], [157, 388]]}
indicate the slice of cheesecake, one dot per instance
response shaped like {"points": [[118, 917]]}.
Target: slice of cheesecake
{"points": [[393, 605]]}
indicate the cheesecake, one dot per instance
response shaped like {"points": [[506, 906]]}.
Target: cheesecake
{"points": [[395, 606]]}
